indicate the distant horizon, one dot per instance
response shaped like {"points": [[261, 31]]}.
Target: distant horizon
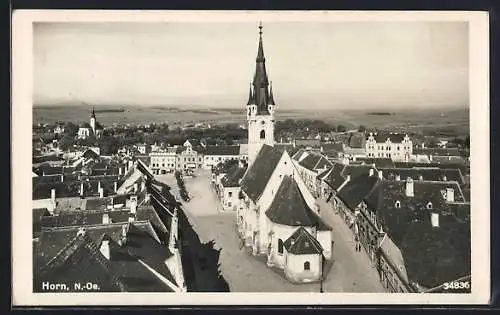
{"points": [[319, 65]]}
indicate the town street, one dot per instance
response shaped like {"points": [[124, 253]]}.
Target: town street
{"points": [[351, 271]]}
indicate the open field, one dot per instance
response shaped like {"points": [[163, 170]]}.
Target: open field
{"points": [[456, 120]]}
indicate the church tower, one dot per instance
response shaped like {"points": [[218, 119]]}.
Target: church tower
{"points": [[92, 121], [260, 107]]}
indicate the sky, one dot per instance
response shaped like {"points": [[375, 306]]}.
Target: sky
{"points": [[343, 65]]}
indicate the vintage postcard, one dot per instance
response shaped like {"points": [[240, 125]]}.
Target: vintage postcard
{"points": [[286, 158]]}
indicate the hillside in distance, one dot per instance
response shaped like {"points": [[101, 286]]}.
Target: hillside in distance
{"points": [[414, 120]]}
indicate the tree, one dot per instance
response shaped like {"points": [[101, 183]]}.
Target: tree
{"points": [[70, 129], [341, 128], [66, 142], [108, 145], [362, 128]]}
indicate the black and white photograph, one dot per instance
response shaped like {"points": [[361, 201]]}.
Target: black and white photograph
{"points": [[311, 158]]}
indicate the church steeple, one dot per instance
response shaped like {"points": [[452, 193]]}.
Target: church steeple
{"points": [[260, 80], [92, 114]]}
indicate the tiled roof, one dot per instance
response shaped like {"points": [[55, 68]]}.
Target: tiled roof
{"points": [[449, 160], [432, 255], [356, 170], [302, 242], [225, 166], [437, 151], [393, 137], [290, 208], [379, 162], [334, 178], [338, 147], [90, 154], [462, 168], [308, 142], [355, 191], [232, 178], [52, 241], [427, 174], [80, 262], [387, 192], [255, 180], [286, 147], [222, 150], [127, 260]]}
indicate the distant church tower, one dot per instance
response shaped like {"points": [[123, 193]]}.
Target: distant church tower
{"points": [[92, 121], [260, 107]]}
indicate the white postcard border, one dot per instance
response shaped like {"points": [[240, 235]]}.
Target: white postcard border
{"points": [[22, 87]]}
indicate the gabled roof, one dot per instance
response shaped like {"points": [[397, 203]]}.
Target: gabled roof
{"points": [[290, 208], [222, 150], [379, 162], [437, 151], [355, 191], [383, 137], [338, 147], [427, 174], [334, 178], [233, 177], [130, 262], [80, 261], [302, 242], [255, 180]]}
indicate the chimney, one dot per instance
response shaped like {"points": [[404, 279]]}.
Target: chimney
{"points": [[409, 187], [101, 193], [105, 249], [133, 204], [143, 185], [81, 189], [105, 218], [450, 195], [131, 218], [371, 172], [115, 186], [348, 178], [435, 219], [62, 178], [380, 175], [445, 178], [430, 157], [120, 171], [423, 145], [53, 194], [99, 186], [398, 177], [135, 188]]}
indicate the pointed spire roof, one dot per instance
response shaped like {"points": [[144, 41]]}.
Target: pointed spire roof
{"points": [[271, 97], [92, 114], [260, 81], [251, 96]]}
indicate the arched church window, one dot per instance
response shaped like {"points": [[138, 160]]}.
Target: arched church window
{"points": [[262, 134], [307, 265], [280, 246]]}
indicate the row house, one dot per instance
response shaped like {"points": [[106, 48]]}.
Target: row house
{"points": [[423, 234], [213, 155], [164, 161], [396, 146], [112, 238], [310, 165], [229, 188]]}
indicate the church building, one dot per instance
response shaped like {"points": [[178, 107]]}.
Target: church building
{"points": [[278, 216], [93, 128]]}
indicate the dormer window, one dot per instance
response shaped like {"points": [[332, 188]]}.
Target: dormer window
{"points": [[397, 204], [429, 205]]}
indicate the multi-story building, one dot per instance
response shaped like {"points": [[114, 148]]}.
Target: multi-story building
{"points": [[164, 160], [396, 146]]}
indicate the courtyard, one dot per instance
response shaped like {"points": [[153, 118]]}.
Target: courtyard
{"points": [[351, 271]]}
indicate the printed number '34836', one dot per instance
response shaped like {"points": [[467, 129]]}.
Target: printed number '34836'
{"points": [[456, 285]]}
